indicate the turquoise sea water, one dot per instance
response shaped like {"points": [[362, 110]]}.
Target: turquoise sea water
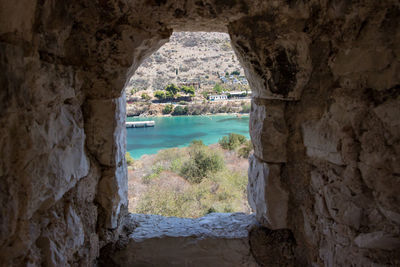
{"points": [[180, 131]]}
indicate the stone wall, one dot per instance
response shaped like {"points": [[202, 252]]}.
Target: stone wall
{"points": [[324, 121], [326, 81], [63, 188]]}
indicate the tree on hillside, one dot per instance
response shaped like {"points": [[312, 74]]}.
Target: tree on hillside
{"points": [[172, 89], [188, 90], [160, 95], [235, 72]]}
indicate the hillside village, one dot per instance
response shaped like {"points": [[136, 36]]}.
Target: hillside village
{"points": [[190, 73]]}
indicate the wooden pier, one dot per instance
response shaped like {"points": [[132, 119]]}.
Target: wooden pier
{"points": [[139, 124]]}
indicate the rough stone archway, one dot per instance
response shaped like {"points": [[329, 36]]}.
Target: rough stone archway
{"points": [[326, 83]]}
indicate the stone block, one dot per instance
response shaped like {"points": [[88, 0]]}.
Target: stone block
{"points": [[340, 205], [266, 195], [322, 141], [112, 194], [377, 240], [268, 131], [217, 239], [105, 129]]}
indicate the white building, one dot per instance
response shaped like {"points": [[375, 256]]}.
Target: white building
{"points": [[218, 97]]}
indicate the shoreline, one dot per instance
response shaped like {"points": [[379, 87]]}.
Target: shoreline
{"points": [[201, 115]]}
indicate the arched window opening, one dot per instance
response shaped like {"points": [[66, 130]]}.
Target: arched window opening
{"points": [[188, 129]]}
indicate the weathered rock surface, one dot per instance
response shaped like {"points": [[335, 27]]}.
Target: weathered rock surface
{"points": [[218, 239], [326, 83], [266, 195]]}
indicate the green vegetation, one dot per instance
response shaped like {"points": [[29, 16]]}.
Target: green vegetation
{"points": [[201, 163], [134, 90], [179, 110], [160, 95], [129, 159], [172, 90], [233, 141], [207, 184], [146, 97], [244, 151], [156, 170], [188, 90], [218, 88], [235, 72], [168, 109]]}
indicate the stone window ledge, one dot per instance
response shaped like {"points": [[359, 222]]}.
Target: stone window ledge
{"points": [[218, 239]]}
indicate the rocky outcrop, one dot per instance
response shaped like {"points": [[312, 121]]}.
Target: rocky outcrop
{"points": [[324, 122]]}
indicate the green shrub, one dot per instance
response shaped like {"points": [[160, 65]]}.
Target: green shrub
{"points": [[232, 141], [192, 172], [197, 143], [202, 162], [176, 165], [134, 90], [179, 110], [172, 89], [129, 159], [188, 90], [224, 142], [146, 97], [155, 172], [160, 95], [168, 109], [245, 150], [169, 95]]}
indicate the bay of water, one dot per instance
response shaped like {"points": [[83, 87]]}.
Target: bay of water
{"points": [[179, 131]]}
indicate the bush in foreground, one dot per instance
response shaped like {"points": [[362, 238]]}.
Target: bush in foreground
{"points": [[202, 162], [232, 141]]}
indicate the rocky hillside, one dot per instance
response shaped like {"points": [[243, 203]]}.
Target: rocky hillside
{"points": [[187, 57]]}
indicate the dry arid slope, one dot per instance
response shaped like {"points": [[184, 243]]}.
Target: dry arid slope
{"points": [[188, 56]]}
